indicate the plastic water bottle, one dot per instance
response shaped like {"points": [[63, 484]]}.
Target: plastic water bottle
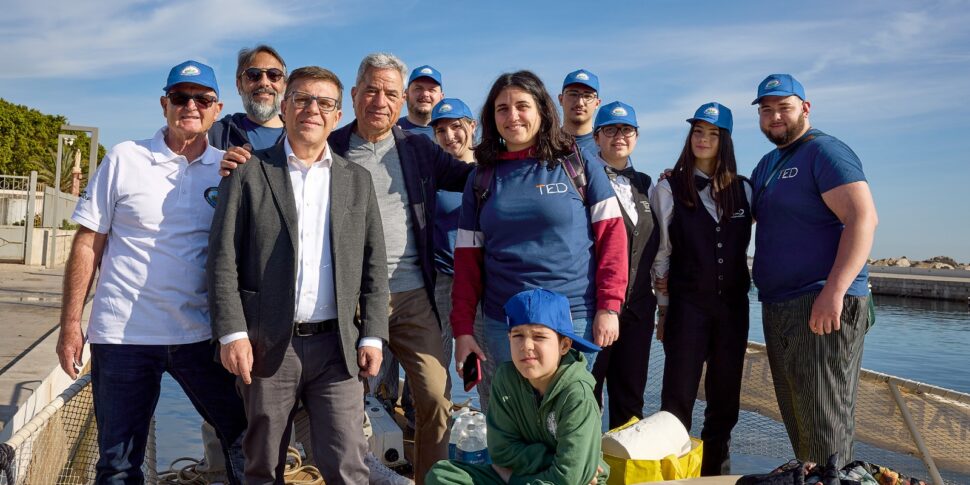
{"points": [[472, 444], [459, 419]]}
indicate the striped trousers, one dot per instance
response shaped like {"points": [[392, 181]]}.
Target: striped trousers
{"points": [[816, 378]]}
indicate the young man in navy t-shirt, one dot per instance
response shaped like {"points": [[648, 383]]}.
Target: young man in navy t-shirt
{"points": [[424, 91], [816, 221]]}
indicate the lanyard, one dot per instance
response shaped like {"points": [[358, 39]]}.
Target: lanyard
{"points": [[781, 163]]}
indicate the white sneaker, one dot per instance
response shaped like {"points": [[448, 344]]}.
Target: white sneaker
{"points": [[380, 474]]}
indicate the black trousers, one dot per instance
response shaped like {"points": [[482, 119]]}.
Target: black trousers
{"points": [[714, 331], [623, 366]]}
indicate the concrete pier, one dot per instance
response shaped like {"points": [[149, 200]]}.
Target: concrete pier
{"points": [[30, 303], [940, 284]]}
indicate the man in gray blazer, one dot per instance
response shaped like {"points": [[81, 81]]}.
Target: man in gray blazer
{"points": [[298, 287]]}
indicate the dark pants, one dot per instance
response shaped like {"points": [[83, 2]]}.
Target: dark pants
{"points": [[816, 377], [715, 333], [313, 371], [623, 366], [126, 382]]}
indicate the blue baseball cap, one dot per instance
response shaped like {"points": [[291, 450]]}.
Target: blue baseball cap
{"points": [[780, 85], [716, 114], [583, 77], [425, 71], [615, 113], [192, 72], [543, 307], [450, 108]]}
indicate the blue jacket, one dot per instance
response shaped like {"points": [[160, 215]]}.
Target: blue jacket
{"points": [[228, 132], [427, 168]]}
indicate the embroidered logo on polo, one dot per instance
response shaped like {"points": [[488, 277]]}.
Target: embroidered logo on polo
{"points": [[427, 70], [712, 111], [618, 111], [774, 83], [191, 70], [582, 76], [551, 424], [646, 205], [211, 195], [554, 188], [445, 108], [84, 195], [738, 215], [788, 173]]}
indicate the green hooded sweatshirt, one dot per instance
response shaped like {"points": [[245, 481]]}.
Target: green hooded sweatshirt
{"points": [[552, 439]]}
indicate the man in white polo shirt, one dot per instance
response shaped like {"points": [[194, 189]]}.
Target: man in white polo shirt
{"points": [[144, 220]]}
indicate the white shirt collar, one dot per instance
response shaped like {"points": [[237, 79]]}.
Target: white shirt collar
{"points": [[326, 158], [162, 153]]}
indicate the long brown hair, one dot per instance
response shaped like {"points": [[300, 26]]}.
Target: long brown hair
{"points": [[725, 173], [552, 142]]}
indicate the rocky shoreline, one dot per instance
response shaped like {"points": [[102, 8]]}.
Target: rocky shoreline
{"points": [[936, 262]]}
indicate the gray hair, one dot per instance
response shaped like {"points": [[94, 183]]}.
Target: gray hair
{"points": [[382, 60], [246, 57]]}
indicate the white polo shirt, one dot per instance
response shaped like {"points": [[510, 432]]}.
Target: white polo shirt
{"points": [[151, 203]]}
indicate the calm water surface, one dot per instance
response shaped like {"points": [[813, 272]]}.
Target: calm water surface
{"points": [[921, 340]]}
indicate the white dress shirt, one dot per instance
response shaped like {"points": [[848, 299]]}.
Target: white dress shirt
{"points": [[315, 292], [624, 191]]}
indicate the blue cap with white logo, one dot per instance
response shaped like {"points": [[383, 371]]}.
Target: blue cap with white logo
{"points": [[780, 85], [450, 108], [583, 77], [615, 113], [192, 72], [543, 307], [425, 71], [716, 114]]}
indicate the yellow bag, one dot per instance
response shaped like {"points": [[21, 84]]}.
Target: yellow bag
{"points": [[624, 471]]}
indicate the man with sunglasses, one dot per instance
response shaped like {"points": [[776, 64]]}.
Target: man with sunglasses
{"points": [[144, 224], [260, 81], [579, 100]]}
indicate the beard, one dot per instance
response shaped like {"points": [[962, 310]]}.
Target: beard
{"points": [[789, 135], [262, 112]]}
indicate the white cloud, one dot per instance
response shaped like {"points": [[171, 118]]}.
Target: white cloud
{"points": [[49, 39]]}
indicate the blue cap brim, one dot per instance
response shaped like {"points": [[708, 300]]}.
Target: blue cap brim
{"points": [[784, 94], [583, 345]]}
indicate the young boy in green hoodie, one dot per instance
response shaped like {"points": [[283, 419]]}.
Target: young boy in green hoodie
{"points": [[543, 420]]}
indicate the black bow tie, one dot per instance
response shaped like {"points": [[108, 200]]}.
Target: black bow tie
{"points": [[701, 182], [626, 172]]}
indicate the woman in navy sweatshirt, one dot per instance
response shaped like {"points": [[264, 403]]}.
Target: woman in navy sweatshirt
{"points": [[533, 228], [705, 225]]}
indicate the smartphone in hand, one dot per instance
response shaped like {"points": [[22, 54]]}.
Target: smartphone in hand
{"points": [[471, 371]]}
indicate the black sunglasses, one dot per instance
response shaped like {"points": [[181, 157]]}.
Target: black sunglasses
{"points": [[254, 74], [178, 98]]}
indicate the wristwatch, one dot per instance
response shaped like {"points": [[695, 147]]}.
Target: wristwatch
{"points": [[612, 312]]}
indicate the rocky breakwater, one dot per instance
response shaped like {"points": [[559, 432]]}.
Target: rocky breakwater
{"points": [[939, 277]]}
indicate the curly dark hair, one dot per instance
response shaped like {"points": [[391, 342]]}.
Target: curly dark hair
{"points": [[552, 144]]}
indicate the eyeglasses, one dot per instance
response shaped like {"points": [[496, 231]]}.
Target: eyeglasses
{"points": [[574, 95], [254, 74], [203, 101], [626, 131], [302, 100]]}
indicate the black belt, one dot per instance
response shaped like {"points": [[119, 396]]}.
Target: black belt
{"points": [[305, 329]]}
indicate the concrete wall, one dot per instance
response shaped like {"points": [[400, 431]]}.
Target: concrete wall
{"points": [[922, 283], [43, 254]]}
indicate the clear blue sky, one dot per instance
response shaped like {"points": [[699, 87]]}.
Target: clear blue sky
{"points": [[890, 78]]}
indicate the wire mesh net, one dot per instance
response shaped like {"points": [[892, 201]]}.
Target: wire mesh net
{"points": [[60, 444], [759, 442]]}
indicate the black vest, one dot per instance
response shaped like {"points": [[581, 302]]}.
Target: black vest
{"points": [[643, 240], [709, 258]]}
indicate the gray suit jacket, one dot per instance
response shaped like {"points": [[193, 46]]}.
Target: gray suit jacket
{"points": [[252, 258]]}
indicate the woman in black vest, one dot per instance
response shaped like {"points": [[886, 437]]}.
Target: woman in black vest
{"points": [[623, 365], [705, 225]]}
